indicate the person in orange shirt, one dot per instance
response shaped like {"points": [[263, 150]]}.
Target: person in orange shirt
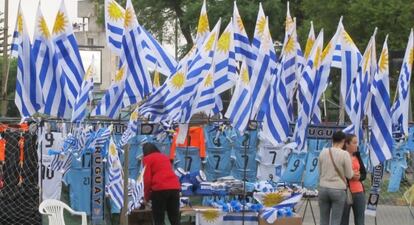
{"points": [[355, 184]]}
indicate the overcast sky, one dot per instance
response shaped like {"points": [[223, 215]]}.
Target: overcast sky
{"points": [[49, 9]]}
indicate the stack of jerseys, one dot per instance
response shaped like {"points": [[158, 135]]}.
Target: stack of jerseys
{"points": [[244, 155]]}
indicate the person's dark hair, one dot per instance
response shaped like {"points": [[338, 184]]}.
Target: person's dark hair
{"points": [[149, 148], [349, 138], [338, 136]]}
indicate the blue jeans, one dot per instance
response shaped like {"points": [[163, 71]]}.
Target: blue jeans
{"points": [[358, 207], [331, 205]]}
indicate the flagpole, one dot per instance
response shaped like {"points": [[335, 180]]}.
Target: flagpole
{"points": [[124, 213]]}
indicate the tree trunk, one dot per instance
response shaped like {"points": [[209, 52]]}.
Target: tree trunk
{"points": [[185, 28]]}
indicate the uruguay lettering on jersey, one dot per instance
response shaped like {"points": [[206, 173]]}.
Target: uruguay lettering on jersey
{"points": [[271, 161], [79, 182], [218, 153], [295, 168], [50, 181], [188, 158]]}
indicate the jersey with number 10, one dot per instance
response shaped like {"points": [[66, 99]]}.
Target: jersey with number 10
{"points": [[50, 181]]}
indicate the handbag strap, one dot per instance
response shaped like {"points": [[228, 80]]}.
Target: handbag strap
{"points": [[336, 168]]}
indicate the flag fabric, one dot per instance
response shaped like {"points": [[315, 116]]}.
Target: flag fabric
{"points": [[28, 97], [114, 25], [259, 31], [276, 119], [111, 102], [242, 45], [400, 108], [137, 192], [156, 83], [225, 61], [381, 139], [69, 62], [262, 71], [203, 28], [155, 55], [115, 187], [51, 83], [240, 105], [309, 42], [205, 98], [361, 89], [197, 71], [132, 129], [306, 93], [350, 58], [84, 95], [138, 82]]}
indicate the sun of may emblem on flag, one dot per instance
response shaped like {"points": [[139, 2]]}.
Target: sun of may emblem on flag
{"points": [[178, 80], [326, 50], [210, 216], [208, 81], [239, 23], [202, 24], [114, 12], [261, 24], [317, 58], [60, 23], [411, 59], [290, 45], [120, 74], [43, 27], [134, 115], [210, 42], [224, 42], [20, 23], [347, 38], [272, 199], [244, 76], [383, 64], [89, 72], [366, 60], [129, 16]]}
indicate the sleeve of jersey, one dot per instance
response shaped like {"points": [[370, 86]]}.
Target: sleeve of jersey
{"points": [[147, 180]]}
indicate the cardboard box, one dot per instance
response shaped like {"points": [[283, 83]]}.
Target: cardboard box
{"points": [[282, 221]]}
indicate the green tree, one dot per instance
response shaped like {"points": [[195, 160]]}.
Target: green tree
{"points": [[12, 110]]}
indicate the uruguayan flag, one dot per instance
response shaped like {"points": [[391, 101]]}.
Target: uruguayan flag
{"points": [[111, 102], [68, 57], [203, 28], [400, 107], [381, 140], [240, 105], [262, 72], [259, 31], [131, 130], [51, 83], [241, 40], [114, 25], [137, 192], [138, 84], [84, 96], [28, 97], [114, 187]]}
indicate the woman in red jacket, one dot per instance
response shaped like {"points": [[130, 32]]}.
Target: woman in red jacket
{"points": [[161, 186]]}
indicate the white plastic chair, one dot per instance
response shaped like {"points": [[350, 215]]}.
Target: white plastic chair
{"points": [[54, 211]]}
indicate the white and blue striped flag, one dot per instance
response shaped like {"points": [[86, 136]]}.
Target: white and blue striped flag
{"points": [[68, 56], [111, 102], [242, 45], [137, 192], [51, 83], [138, 84], [28, 97], [400, 108], [114, 24], [115, 186], [132, 128], [85, 94], [263, 70], [259, 32], [240, 105], [381, 140]]}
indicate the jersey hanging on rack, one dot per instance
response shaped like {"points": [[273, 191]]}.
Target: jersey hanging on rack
{"points": [[50, 180], [295, 168], [271, 161], [218, 144], [188, 158], [244, 155], [311, 177], [79, 182], [398, 166], [196, 135]]}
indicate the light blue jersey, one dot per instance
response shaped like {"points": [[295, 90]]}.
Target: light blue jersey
{"points": [[295, 168], [79, 182], [398, 166], [188, 158], [244, 155]]}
